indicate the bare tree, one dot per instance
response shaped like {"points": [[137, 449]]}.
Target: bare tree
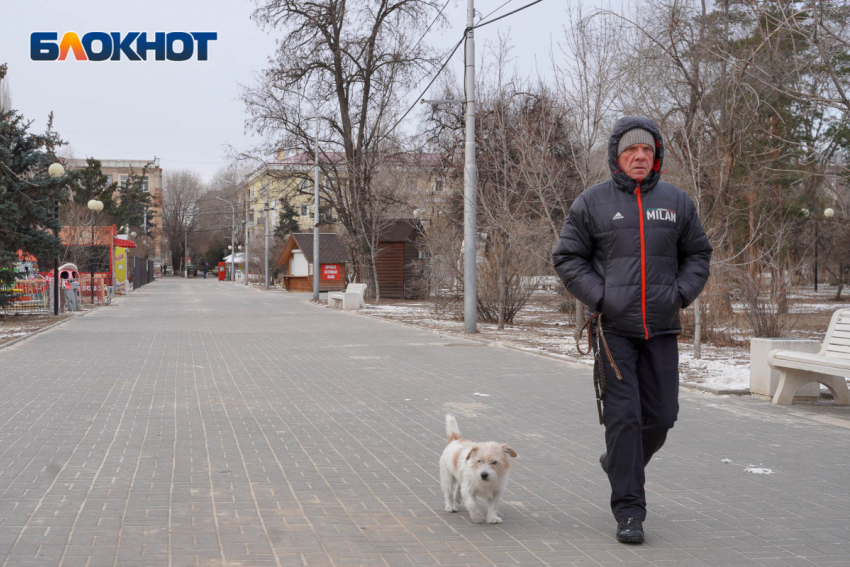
{"points": [[180, 218], [357, 58], [589, 78], [5, 92], [82, 235], [526, 182]]}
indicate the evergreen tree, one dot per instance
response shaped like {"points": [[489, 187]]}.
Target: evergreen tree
{"points": [[27, 192], [90, 183], [288, 220], [134, 202]]}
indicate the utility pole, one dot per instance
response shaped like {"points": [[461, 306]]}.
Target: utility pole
{"points": [[470, 177], [316, 265], [246, 237], [186, 252], [268, 220]]}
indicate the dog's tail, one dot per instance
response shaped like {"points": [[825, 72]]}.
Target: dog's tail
{"points": [[452, 430]]}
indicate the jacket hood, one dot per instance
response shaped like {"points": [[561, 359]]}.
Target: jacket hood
{"points": [[622, 126]]}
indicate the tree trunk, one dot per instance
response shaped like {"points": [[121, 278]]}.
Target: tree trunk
{"points": [[369, 270], [503, 294], [375, 283]]}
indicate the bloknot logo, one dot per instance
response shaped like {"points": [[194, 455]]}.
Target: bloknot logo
{"points": [[115, 46]]}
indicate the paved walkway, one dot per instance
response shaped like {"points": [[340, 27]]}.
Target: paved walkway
{"points": [[202, 423]]}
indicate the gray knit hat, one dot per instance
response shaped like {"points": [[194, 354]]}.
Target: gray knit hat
{"points": [[635, 136]]}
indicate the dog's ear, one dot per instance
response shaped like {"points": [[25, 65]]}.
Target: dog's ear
{"points": [[472, 452], [508, 450]]}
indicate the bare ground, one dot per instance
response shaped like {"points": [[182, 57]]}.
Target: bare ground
{"points": [[541, 327]]}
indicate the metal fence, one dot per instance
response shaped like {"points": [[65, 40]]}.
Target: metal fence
{"points": [[29, 296], [141, 271], [100, 283]]}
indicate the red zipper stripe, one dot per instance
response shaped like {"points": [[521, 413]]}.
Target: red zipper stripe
{"points": [[642, 261]]}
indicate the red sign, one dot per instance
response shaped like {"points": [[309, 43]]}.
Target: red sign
{"points": [[330, 271]]}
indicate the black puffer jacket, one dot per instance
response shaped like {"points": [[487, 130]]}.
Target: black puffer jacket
{"points": [[635, 250]]}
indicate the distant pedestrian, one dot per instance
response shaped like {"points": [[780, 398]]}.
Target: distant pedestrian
{"points": [[633, 249], [206, 267]]}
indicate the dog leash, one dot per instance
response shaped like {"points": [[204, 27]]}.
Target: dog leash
{"points": [[598, 366]]}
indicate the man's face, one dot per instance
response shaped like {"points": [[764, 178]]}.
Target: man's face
{"points": [[636, 160]]}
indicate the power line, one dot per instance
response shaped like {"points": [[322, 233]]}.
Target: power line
{"points": [[454, 49], [520, 9], [428, 86], [494, 11], [434, 21]]}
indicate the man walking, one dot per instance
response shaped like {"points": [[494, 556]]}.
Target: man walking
{"points": [[633, 249]]}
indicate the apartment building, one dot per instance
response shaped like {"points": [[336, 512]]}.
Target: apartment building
{"points": [[118, 171]]}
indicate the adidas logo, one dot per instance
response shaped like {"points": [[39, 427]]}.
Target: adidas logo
{"points": [[618, 216]]}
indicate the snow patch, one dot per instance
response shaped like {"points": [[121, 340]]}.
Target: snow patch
{"points": [[758, 470]]}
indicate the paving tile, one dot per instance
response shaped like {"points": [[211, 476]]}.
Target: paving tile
{"points": [[201, 423]]}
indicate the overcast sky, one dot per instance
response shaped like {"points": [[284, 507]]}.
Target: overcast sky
{"points": [[186, 113]]}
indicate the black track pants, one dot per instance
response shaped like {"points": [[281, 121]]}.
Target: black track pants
{"points": [[638, 411]]}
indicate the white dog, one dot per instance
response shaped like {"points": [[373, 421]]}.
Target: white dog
{"points": [[471, 470]]}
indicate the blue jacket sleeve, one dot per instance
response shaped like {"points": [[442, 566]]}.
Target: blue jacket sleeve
{"points": [[573, 257], [694, 256]]}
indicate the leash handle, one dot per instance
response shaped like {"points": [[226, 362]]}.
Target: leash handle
{"points": [[599, 384], [587, 325], [601, 339]]}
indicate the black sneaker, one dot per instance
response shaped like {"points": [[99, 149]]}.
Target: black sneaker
{"points": [[603, 460], [630, 530]]}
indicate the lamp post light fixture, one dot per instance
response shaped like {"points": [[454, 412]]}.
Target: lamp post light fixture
{"points": [[828, 213], [95, 207], [56, 170]]}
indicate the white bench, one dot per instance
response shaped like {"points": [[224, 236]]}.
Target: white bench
{"points": [[829, 366], [350, 299]]}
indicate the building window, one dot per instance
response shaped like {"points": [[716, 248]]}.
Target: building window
{"points": [[123, 182], [145, 186], [108, 180], [305, 210], [439, 184]]}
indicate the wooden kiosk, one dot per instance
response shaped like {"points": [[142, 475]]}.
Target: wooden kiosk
{"points": [[297, 262]]}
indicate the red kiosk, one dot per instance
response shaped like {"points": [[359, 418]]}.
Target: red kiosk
{"points": [[222, 271]]}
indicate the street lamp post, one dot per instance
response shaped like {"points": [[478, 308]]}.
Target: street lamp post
{"points": [[95, 207], [317, 266], [230, 249], [267, 211], [828, 213], [247, 194], [55, 171]]}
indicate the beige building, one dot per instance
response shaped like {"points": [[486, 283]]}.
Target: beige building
{"points": [[118, 171], [290, 179]]}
